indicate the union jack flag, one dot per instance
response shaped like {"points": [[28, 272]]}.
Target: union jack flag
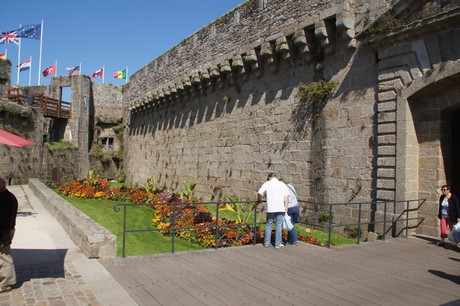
{"points": [[10, 36]]}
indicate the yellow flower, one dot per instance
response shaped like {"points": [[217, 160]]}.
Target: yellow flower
{"points": [[307, 230]]}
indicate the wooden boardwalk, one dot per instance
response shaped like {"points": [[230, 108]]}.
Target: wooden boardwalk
{"points": [[402, 271]]}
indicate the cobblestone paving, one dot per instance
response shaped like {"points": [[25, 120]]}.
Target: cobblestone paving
{"points": [[50, 280], [49, 284]]}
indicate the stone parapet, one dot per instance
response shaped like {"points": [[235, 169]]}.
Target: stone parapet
{"points": [[94, 240], [227, 51]]}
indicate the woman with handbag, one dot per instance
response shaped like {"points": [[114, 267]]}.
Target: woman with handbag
{"points": [[293, 212], [448, 213]]}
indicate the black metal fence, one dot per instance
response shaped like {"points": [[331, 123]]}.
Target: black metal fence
{"points": [[173, 228], [388, 214]]}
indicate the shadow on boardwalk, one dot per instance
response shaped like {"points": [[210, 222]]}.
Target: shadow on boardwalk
{"points": [[410, 271]]}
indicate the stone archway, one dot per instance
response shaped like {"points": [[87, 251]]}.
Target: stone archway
{"points": [[433, 141]]}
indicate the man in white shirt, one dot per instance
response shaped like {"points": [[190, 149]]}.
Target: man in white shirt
{"points": [[277, 197]]}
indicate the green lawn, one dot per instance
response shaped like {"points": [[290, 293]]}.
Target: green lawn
{"points": [[322, 235], [138, 217]]}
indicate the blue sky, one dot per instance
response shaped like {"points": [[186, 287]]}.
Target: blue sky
{"points": [[116, 34]]}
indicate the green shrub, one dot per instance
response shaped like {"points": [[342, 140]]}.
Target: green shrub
{"points": [[315, 92], [60, 145], [353, 231], [120, 177], [325, 216]]}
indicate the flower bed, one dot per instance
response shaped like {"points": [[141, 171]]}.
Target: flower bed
{"points": [[193, 221]]}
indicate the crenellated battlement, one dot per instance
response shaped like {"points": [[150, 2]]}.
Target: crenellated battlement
{"points": [[253, 35]]}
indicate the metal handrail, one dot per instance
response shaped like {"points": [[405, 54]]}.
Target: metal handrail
{"points": [[385, 204], [329, 225], [173, 228]]}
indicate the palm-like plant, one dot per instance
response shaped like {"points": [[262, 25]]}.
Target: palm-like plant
{"points": [[242, 209]]}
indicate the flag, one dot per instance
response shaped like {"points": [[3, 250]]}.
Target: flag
{"points": [[50, 70], [30, 31], [3, 56], [9, 36], [120, 74], [73, 70], [98, 73], [24, 66]]}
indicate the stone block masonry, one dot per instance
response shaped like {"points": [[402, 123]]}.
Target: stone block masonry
{"points": [[227, 113], [93, 240], [221, 108]]}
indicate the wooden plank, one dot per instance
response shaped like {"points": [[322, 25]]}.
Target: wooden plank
{"points": [[275, 262], [310, 297], [218, 290], [418, 295], [202, 291], [117, 271], [387, 287], [162, 290], [294, 300], [435, 286], [389, 273], [124, 277], [182, 272], [228, 276], [324, 299], [263, 273], [375, 296]]}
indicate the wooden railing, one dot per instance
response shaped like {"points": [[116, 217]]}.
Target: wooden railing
{"points": [[50, 107]]}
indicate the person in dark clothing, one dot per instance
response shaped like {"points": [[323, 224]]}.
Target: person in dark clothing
{"points": [[448, 213], [8, 212]]}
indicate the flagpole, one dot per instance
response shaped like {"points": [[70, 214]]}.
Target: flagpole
{"points": [[80, 69], [40, 58], [30, 69], [126, 79], [19, 61], [55, 73], [103, 73]]}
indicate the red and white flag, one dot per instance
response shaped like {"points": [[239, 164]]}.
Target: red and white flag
{"points": [[98, 73], [50, 70]]}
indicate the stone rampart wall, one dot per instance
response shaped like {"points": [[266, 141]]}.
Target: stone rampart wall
{"points": [[18, 164], [5, 73], [59, 166], [220, 109]]}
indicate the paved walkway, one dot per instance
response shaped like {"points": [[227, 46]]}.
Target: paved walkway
{"points": [[50, 268]]}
